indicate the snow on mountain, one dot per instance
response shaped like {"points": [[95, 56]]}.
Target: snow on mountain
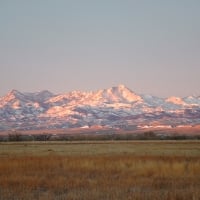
{"points": [[17, 105], [152, 100], [175, 100], [18, 98], [13, 97], [120, 94], [117, 106], [192, 100], [39, 96]]}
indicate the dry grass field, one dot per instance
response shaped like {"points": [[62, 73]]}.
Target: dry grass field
{"points": [[167, 170]]}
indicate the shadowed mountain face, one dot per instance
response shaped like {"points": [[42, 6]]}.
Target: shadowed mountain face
{"points": [[116, 107]]}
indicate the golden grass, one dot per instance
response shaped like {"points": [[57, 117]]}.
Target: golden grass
{"points": [[106, 177], [167, 170], [164, 148]]}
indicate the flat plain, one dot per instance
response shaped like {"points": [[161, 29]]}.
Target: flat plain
{"points": [[95, 170]]}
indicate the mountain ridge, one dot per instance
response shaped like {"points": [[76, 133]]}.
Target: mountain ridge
{"points": [[115, 107]]}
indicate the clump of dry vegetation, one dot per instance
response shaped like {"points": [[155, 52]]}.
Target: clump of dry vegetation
{"points": [[95, 177]]}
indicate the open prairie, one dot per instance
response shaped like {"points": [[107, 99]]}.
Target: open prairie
{"points": [[112, 170]]}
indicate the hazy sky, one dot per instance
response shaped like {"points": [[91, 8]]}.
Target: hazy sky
{"points": [[151, 46]]}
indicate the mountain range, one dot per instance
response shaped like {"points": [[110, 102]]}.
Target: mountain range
{"points": [[117, 107]]}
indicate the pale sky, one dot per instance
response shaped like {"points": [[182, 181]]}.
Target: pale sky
{"points": [[151, 46]]}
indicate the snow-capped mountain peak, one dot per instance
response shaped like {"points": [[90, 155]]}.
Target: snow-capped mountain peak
{"points": [[40, 96], [121, 93], [14, 94], [192, 100], [12, 97], [175, 100]]}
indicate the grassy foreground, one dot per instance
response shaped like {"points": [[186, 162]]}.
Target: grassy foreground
{"points": [[93, 171]]}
